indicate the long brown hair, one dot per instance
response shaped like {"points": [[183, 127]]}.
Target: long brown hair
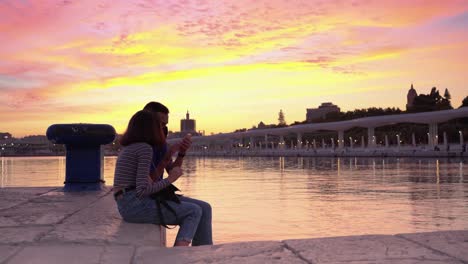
{"points": [[144, 126]]}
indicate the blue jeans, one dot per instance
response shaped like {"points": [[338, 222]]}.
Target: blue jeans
{"points": [[193, 216], [203, 235]]}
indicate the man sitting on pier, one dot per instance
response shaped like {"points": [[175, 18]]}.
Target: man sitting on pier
{"points": [[203, 235], [163, 112]]}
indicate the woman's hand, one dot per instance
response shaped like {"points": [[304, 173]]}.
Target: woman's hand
{"points": [[174, 174]]}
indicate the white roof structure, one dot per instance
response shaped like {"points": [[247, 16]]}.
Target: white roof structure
{"points": [[434, 117]]}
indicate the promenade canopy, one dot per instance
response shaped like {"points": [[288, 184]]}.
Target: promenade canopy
{"points": [[434, 117]]}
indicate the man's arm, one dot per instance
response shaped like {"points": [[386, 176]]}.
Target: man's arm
{"points": [[179, 160], [184, 146]]}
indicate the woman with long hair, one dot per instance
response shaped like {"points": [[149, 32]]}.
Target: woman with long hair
{"points": [[135, 191]]}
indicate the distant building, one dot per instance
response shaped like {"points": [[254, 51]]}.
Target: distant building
{"points": [[35, 139], [410, 97], [4, 136], [262, 125], [321, 112], [187, 125]]}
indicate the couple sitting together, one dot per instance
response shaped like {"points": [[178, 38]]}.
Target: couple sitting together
{"points": [[141, 192]]}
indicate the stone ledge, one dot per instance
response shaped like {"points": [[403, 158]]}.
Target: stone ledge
{"points": [[353, 249], [452, 243], [47, 215], [86, 228]]}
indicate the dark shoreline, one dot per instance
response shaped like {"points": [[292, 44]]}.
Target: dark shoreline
{"points": [[42, 155], [432, 155]]}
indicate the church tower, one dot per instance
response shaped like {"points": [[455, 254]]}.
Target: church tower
{"points": [[410, 97]]}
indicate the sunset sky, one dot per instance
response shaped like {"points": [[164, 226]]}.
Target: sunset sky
{"points": [[232, 64]]}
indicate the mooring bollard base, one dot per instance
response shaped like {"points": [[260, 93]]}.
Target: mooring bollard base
{"points": [[83, 187]]}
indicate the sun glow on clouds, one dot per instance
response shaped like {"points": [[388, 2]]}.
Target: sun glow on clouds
{"points": [[231, 63]]}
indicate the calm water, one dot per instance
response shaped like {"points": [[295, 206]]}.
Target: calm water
{"points": [[283, 198]]}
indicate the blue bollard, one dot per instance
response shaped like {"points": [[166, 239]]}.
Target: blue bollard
{"points": [[84, 160]]}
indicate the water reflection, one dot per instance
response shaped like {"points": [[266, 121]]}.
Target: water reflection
{"points": [[461, 172], [277, 198], [2, 180]]}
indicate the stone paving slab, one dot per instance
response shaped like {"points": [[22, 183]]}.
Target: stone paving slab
{"points": [[366, 249], [47, 209], [10, 197], [101, 223], [70, 254], [246, 253], [23, 234], [117, 255], [32, 214], [8, 251], [453, 243]]}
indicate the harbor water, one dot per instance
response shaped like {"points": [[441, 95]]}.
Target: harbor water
{"points": [[277, 198]]}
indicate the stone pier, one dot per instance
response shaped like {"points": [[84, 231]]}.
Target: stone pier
{"points": [[46, 225]]}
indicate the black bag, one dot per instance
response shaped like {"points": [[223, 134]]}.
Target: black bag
{"points": [[167, 194], [161, 197]]}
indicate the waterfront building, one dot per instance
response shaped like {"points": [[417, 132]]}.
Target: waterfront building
{"points": [[29, 145], [187, 125], [262, 125], [5, 136], [321, 112]]}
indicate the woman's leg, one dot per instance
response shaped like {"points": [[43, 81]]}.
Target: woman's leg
{"points": [[136, 210], [203, 235]]}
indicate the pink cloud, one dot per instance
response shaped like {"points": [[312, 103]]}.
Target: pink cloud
{"points": [[50, 46]]}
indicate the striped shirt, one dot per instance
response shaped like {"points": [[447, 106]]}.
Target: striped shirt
{"points": [[132, 169]]}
